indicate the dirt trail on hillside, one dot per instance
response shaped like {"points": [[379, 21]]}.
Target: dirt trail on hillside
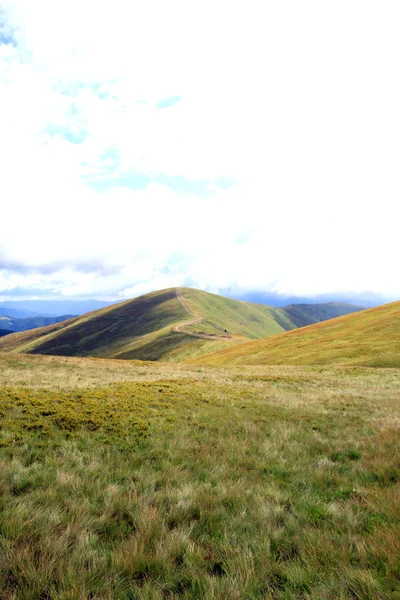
{"points": [[182, 327]]}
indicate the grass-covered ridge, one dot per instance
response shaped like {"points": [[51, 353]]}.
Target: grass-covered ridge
{"points": [[170, 325], [125, 480], [368, 338]]}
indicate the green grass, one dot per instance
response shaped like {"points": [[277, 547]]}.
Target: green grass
{"points": [[152, 481], [251, 321], [158, 326], [369, 338]]}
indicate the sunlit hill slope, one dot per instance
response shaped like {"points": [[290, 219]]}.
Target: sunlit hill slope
{"points": [[368, 338], [172, 324]]}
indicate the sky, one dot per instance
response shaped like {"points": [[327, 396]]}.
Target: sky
{"points": [[242, 146]]}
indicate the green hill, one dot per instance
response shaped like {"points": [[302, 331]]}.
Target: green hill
{"points": [[307, 314], [369, 338], [172, 324]]}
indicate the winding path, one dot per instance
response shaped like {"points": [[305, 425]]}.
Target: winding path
{"points": [[181, 328]]}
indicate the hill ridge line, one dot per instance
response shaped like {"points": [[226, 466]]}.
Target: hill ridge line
{"points": [[181, 327], [145, 327]]}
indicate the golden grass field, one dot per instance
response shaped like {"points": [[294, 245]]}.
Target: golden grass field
{"points": [[369, 338], [129, 480]]}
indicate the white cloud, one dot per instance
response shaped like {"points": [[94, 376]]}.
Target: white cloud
{"points": [[296, 102]]}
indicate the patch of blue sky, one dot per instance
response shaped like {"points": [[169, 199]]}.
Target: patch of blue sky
{"points": [[71, 89], [177, 264], [6, 39], [245, 237], [73, 130], [20, 293], [6, 33], [73, 134], [177, 183], [102, 90], [107, 168], [166, 102]]}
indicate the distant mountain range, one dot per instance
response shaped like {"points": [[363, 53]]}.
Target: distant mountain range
{"points": [[171, 324], [49, 308], [57, 308], [12, 324], [17, 313], [367, 299]]}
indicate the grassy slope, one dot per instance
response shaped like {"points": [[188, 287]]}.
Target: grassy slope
{"points": [[252, 321], [143, 328], [127, 481], [369, 338], [146, 328], [105, 332]]}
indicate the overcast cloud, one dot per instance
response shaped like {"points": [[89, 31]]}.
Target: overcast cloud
{"points": [[222, 145]]}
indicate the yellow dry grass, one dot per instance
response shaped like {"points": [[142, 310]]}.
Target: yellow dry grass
{"points": [[368, 338]]}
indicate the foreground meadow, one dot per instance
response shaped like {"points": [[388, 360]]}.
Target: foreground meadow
{"points": [[124, 480]]}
